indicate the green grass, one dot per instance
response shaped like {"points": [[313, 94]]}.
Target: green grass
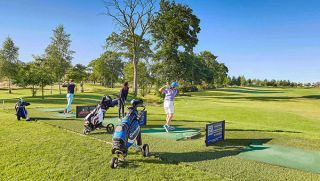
{"points": [[281, 116]]}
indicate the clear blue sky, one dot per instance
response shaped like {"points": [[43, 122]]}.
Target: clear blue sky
{"points": [[277, 39]]}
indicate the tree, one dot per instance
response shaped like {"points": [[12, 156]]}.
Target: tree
{"points": [[174, 28], [43, 76], [58, 53], [35, 73], [107, 68], [134, 18], [243, 81], [143, 76], [28, 76], [78, 74], [9, 61]]}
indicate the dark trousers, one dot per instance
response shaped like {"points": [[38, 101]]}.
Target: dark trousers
{"points": [[121, 108]]}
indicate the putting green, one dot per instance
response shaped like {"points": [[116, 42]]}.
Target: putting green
{"points": [[284, 156], [67, 115], [177, 134], [52, 109]]}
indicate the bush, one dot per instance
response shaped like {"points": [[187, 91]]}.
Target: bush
{"points": [[191, 88]]}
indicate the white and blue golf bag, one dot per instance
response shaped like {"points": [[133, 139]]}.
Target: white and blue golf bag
{"points": [[21, 110], [128, 131]]}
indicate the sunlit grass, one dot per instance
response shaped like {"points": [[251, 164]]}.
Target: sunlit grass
{"points": [[284, 116]]}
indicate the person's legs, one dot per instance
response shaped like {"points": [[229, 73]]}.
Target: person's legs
{"points": [[119, 109], [166, 110], [122, 109], [69, 99], [169, 119]]}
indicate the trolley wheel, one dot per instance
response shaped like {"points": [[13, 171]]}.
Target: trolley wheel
{"points": [[145, 150], [18, 118], [110, 128], [86, 131], [114, 162]]}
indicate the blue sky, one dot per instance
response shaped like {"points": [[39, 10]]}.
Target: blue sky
{"points": [[277, 39]]}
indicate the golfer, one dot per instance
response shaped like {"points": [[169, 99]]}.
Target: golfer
{"points": [[70, 94], [170, 93], [122, 99]]}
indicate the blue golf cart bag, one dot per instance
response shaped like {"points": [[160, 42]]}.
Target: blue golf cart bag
{"points": [[21, 110], [128, 131]]}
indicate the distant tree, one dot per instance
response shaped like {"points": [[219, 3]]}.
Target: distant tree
{"points": [[28, 76], [9, 61], [35, 73], [78, 74], [58, 53], [108, 68], [243, 81], [134, 18], [249, 82]]}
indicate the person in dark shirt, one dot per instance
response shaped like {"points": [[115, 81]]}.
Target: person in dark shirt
{"points": [[122, 98], [70, 94]]}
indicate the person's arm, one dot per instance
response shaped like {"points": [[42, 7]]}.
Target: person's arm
{"points": [[177, 92], [162, 89], [65, 84]]}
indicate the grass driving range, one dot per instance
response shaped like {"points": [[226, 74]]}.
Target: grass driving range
{"points": [[50, 148]]}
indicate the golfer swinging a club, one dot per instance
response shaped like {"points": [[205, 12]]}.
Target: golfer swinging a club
{"points": [[170, 93]]}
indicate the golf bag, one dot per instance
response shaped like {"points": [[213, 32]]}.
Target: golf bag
{"points": [[21, 110], [94, 119], [128, 131]]}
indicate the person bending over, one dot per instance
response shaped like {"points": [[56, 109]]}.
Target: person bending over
{"points": [[170, 93]]}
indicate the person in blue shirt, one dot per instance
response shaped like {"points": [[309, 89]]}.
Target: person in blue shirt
{"points": [[70, 94], [168, 104], [122, 99]]}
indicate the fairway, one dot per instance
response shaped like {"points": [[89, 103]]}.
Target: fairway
{"points": [[49, 148]]}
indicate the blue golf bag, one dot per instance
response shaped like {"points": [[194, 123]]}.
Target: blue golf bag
{"points": [[21, 110], [128, 131]]}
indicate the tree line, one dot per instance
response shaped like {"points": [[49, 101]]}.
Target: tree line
{"points": [[150, 49], [242, 81]]}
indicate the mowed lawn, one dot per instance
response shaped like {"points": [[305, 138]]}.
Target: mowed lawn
{"points": [[46, 150]]}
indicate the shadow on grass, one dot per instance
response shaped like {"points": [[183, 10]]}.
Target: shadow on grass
{"points": [[311, 97], [53, 119], [251, 91], [257, 130], [229, 147], [260, 98]]}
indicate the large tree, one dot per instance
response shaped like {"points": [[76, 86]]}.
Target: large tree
{"points": [[216, 72], [133, 18], [43, 76], [9, 61], [174, 30], [144, 76], [58, 53]]}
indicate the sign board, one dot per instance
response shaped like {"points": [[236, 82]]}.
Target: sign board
{"points": [[143, 118], [83, 111], [215, 132]]}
